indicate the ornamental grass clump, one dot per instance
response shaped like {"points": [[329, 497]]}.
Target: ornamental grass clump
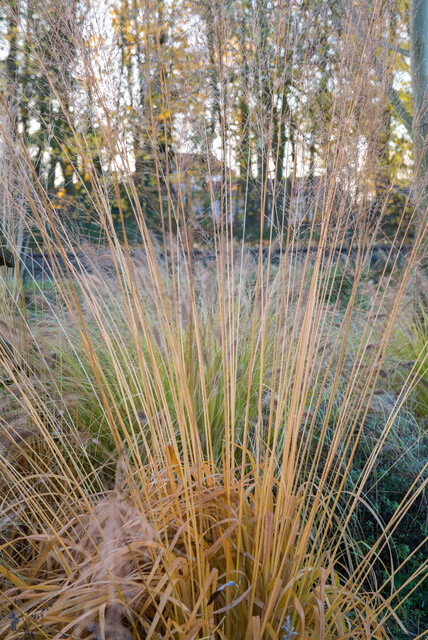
{"points": [[185, 423], [130, 563]]}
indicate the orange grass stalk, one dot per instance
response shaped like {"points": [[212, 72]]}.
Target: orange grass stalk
{"points": [[187, 473]]}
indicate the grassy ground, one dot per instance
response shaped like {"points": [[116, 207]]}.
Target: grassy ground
{"points": [[200, 456], [226, 449]]}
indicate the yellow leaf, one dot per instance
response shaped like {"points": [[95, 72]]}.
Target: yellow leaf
{"points": [[12, 577]]}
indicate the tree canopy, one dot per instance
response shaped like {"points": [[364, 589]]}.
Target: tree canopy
{"points": [[241, 99]]}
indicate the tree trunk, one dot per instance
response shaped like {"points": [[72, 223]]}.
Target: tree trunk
{"points": [[419, 61]]}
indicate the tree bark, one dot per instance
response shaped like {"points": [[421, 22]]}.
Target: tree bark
{"points": [[419, 63]]}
